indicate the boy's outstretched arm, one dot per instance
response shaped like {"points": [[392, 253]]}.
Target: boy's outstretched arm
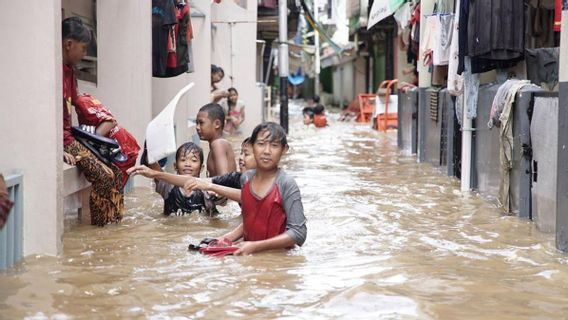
{"points": [[281, 241], [174, 179], [206, 185]]}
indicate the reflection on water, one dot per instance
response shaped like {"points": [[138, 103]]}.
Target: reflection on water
{"points": [[388, 238]]}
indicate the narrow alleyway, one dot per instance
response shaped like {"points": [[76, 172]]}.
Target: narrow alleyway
{"points": [[387, 238]]}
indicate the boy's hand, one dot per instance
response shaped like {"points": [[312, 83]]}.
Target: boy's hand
{"points": [[246, 248], [68, 158], [141, 170], [193, 184]]}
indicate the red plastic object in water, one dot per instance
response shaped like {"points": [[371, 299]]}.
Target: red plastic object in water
{"points": [[219, 248], [366, 107]]}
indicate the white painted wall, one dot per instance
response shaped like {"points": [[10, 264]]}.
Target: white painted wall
{"points": [[31, 116], [233, 48], [124, 64], [564, 48]]}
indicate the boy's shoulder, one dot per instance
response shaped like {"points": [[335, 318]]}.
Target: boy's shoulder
{"points": [[285, 179], [221, 143]]}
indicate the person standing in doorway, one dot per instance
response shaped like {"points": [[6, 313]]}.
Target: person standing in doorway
{"points": [[217, 74]]}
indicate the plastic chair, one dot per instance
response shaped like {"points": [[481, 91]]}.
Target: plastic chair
{"points": [[366, 107], [386, 120]]}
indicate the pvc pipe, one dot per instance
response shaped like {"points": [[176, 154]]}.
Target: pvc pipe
{"points": [[466, 150], [317, 53]]}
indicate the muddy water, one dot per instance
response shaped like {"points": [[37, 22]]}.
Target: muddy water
{"points": [[387, 239]]}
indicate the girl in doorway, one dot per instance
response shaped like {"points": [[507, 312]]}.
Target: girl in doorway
{"points": [[235, 109], [273, 215]]}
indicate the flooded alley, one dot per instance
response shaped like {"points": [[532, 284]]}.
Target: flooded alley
{"points": [[388, 238]]}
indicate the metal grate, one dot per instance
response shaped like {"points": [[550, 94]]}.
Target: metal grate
{"points": [[11, 236]]}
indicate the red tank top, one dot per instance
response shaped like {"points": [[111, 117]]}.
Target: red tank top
{"points": [[262, 219]]}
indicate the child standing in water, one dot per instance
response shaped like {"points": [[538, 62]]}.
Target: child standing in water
{"points": [[189, 162], [210, 123], [235, 110], [246, 162], [273, 215]]}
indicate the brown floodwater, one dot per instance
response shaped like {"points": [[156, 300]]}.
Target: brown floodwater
{"points": [[388, 238]]}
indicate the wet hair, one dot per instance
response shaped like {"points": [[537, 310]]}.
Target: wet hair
{"points": [[74, 28], [316, 98], [307, 111], [275, 133], [246, 142], [214, 112], [189, 147]]}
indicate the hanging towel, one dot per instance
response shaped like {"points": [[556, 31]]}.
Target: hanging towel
{"points": [[504, 100]]}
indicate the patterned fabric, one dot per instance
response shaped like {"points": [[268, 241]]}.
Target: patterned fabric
{"points": [[107, 199], [5, 203]]}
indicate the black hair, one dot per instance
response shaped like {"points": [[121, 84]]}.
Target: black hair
{"points": [[189, 147], [74, 28], [229, 90], [316, 98], [214, 112], [217, 69], [233, 89], [276, 133], [220, 70], [245, 142], [307, 111]]}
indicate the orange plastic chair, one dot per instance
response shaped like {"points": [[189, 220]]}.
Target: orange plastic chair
{"points": [[387, 120], [366, 107]]}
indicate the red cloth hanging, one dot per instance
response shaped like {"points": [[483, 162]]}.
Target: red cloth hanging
{"points": [[557, 15]]}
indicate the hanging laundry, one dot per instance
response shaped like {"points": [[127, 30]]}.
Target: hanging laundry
{"points": [[557, 15], [502, 115], [443, 41], [455, 81], [163, 18], [181, 43], [170, 38], [495, 34], [542, 66], [427, 46], [471, 89]]}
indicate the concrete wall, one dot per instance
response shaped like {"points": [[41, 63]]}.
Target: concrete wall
{"points": [[233, 47], [200, 94], [31, 121], [124, 64], [562, 176]]}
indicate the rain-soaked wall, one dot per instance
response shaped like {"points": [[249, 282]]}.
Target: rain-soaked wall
{"points": [[31, 116]]}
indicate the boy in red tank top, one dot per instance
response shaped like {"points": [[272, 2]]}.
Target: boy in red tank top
{"points": [[273, 215]]}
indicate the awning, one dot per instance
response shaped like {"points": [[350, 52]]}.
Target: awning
{"points": [[382, 9]]}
